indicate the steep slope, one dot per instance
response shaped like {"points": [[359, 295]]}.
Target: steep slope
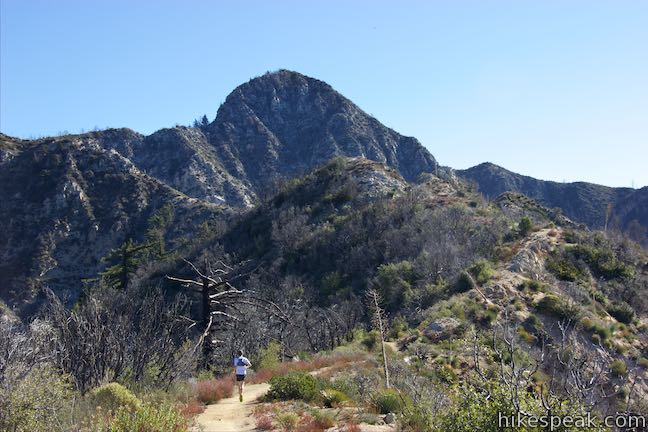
{"points": [[331, 230], [64, 204], [583, 202], [180, 157], [284, 124]]}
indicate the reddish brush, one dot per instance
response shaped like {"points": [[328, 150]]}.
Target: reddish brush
{"points": [[352, 427], [309, 424], [191, 408], [264, 423], [317, 363], [209, 392], [262, 376]]}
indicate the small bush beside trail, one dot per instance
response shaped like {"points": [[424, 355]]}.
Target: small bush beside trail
{"points": [[295, 385], [112, 396]]}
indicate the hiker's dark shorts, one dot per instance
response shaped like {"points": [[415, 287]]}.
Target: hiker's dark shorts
{"points": [[240, 377]]}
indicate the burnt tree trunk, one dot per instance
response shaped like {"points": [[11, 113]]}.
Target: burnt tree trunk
{"points": [[205, 324]]}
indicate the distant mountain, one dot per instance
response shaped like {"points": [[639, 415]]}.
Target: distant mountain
{"points": [[67, 201], [583, 202]]}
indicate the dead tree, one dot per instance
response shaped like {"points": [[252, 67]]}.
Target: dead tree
{"points": [[379, 322], [221, 303], [218, 299]]}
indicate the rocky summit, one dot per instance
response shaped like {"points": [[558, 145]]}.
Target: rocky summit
{"points": [[284, 124]]}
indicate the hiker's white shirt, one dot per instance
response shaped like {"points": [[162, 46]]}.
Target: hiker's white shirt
{"points": [[241, 363]]}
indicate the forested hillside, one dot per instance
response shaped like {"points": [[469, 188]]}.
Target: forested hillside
{"points": [[481, 300]]}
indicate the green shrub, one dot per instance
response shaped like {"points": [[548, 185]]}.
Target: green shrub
{"points": [[602, 261], [525, 226], [399, 327], [394, 283], [295, 385], [333, 398], [564, 269], [368, 418], [533, 324], [113, 396], [387, 400], [465, 282], [526, 336], [416, 418], [322, 419], [600, 331], [147, 418], [205, 375], [348, 386], [331, 284], [485, 315], [36, 402], [533, 286], [517, 303], [371, 340], [553, 305], [475, 410], [618, 368], [622, 311], [571, 236], [269, 356], [598, 296], [483, 271]]}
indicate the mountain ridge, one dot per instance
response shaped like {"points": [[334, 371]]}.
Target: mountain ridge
{"points": [[597, 206], [284, 124], [270, 130]]}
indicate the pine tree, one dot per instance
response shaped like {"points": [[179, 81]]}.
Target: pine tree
{"points": [[122, 262]]}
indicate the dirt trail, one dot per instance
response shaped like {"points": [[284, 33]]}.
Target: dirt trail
{"points": [[230, 415]]}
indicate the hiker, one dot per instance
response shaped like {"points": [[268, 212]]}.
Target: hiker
{"points": [[240, 369]]}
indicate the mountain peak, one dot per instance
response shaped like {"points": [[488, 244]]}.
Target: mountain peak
{"points": [[283, 124], [279, 94], [282, 78]]}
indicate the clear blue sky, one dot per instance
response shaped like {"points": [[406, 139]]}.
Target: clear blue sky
{"points": [[553, 89]]}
